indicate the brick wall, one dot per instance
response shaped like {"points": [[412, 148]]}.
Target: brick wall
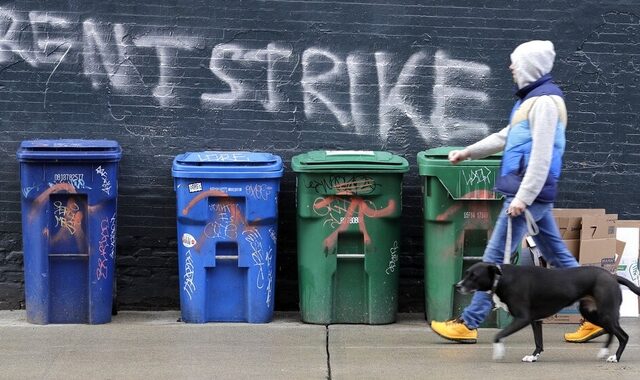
{"points": [[164, 77]]}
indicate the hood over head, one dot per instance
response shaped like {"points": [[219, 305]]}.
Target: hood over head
{"points": [[531, 60]]}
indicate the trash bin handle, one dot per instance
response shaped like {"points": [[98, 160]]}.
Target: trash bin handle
{"points": [[201, 196], [350, 255]]}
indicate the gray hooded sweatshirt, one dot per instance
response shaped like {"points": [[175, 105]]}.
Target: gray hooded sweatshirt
{"points": [[529, 62]]}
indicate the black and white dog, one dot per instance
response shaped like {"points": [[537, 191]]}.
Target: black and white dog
{"points": [[530, 294]]}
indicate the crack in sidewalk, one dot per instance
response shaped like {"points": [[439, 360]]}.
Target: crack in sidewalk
{"points": [[328, 353]]}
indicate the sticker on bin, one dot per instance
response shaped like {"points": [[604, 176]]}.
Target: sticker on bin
{"points": [[188, 240], [225, 189], [349, 153], [195, 187], [223, 157]]}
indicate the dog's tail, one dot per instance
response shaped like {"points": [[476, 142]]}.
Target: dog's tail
{"points": [[628, 284]]}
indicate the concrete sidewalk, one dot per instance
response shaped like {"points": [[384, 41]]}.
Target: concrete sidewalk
{"points": [[153, 345]]}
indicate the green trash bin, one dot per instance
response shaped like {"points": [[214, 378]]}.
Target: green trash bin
{"points": [[460, 210], [348, 210]]}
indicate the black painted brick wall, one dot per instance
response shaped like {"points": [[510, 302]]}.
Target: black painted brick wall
{"points": [[291, 76]]}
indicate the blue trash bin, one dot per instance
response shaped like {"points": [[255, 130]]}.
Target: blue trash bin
{"points": [[69, 191], [227, 212]]}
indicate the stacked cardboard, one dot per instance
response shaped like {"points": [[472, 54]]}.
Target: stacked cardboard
{"points": [[569, 223], [590, 235]]}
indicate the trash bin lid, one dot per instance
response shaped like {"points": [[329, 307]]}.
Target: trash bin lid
{"points": [[439, 158], [69, 150], [467, 180], [349, 161], [227, 164]]}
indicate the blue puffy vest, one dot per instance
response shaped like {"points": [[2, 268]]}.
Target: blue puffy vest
{"points": [[518, 145]]}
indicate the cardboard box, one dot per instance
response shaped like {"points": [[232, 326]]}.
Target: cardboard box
{"points": [[579, 212], [597, 238], [598, 252], [569, 227], [598, 244], [569, 220], [598, 226], [628, 223]]}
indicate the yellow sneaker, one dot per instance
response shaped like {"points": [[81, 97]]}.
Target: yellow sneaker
{"points": [[455, 330], [585, 333]]}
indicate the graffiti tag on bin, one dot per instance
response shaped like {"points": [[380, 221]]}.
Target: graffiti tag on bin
{"points": [[344, 185]]}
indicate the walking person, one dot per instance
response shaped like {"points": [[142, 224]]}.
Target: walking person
{"points": [[533, 145]]}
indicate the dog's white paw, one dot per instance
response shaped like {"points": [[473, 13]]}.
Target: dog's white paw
{"points": [[498, 351], [612, 359], [531, 358], [603, 353]]}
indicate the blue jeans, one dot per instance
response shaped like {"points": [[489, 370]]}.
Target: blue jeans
{"points": [[548, 240]]}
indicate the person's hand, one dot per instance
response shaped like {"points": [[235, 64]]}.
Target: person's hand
{"points": [[455, 156], [516, 207]]}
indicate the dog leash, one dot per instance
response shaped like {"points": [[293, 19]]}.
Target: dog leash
{"points": [[532, 229]]}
